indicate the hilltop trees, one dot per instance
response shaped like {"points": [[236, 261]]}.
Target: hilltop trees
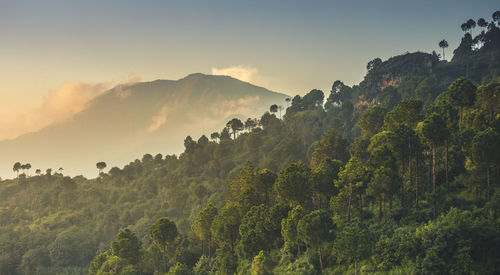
{"points": [[100, 166], [443, 44], [16, 168], [235, 125]]}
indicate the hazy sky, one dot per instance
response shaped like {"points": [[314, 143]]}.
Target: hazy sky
{"points": [[47, 47]]}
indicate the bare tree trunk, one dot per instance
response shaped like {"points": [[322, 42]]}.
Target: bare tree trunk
{"points": [[320, 260], [402, 188], [356, 267], [488, 179], [385, 212], [210, 247], [164, 264], [380, 209], [409, 162], [434, 177], [349, 205], [416, 182], [446, 162]]}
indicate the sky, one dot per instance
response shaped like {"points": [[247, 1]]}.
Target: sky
{"points": [[56, 55]]}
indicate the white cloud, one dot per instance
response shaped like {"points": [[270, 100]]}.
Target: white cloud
{"points": [[57, 106], [243, 73], [159, 119], [122, 91]]}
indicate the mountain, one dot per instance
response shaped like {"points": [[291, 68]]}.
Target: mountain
{"points": [[126, 122]]}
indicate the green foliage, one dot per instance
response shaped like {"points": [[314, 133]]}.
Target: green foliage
{"points": [[294, 184], [127, 247], [180, 269], [232, 195], [330, 146], [262, 264]]}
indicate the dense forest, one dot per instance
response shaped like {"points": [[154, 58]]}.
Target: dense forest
{"points": [[399, 174]]}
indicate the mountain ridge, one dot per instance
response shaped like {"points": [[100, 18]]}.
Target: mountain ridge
{"points": [[141, 115]]}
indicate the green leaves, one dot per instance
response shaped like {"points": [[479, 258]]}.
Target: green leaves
{"points": [[294, 183], [163, 233]]}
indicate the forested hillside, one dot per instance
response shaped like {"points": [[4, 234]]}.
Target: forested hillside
{"points": [[399, 175]]}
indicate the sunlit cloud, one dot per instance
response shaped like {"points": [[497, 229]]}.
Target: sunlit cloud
{"points": [[243, 73], [122, 91], [159, 119], [60, 105], [57, 106]]}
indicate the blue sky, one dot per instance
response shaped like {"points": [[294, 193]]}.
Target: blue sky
{"points": [[288, 46]]}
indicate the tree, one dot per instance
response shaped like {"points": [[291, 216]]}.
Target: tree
{"points": [[408, 112], [471, 24], [434, 130], [385, 180], [482, 23], [48, 172], [202, 226], [353, 243], [28, 167], [264, 183], [352, 179], [461, 93], [225, 227], [314, 229], [255, 233], [496, 17], [147, 158], [262, 264], [293, 184], [331, 145], [488, 98], [287, 101], [38, 171], [16, 168], [23, 167], [373, 64], [449, 114], [214, 136], [250, 124], [236, 125], [443, 44], [289, 227], [324, 175], [127, 246], [164, 234], [486, 151], [372, 120], [464, 27], [273, 109], [101, 165]]}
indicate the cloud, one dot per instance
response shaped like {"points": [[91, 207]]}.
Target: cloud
{"points": [[243, 73], [159, 119], [59, 105], [122, 91]]}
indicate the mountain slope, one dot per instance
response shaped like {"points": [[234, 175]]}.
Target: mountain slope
{"points": [[128, 121]]}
